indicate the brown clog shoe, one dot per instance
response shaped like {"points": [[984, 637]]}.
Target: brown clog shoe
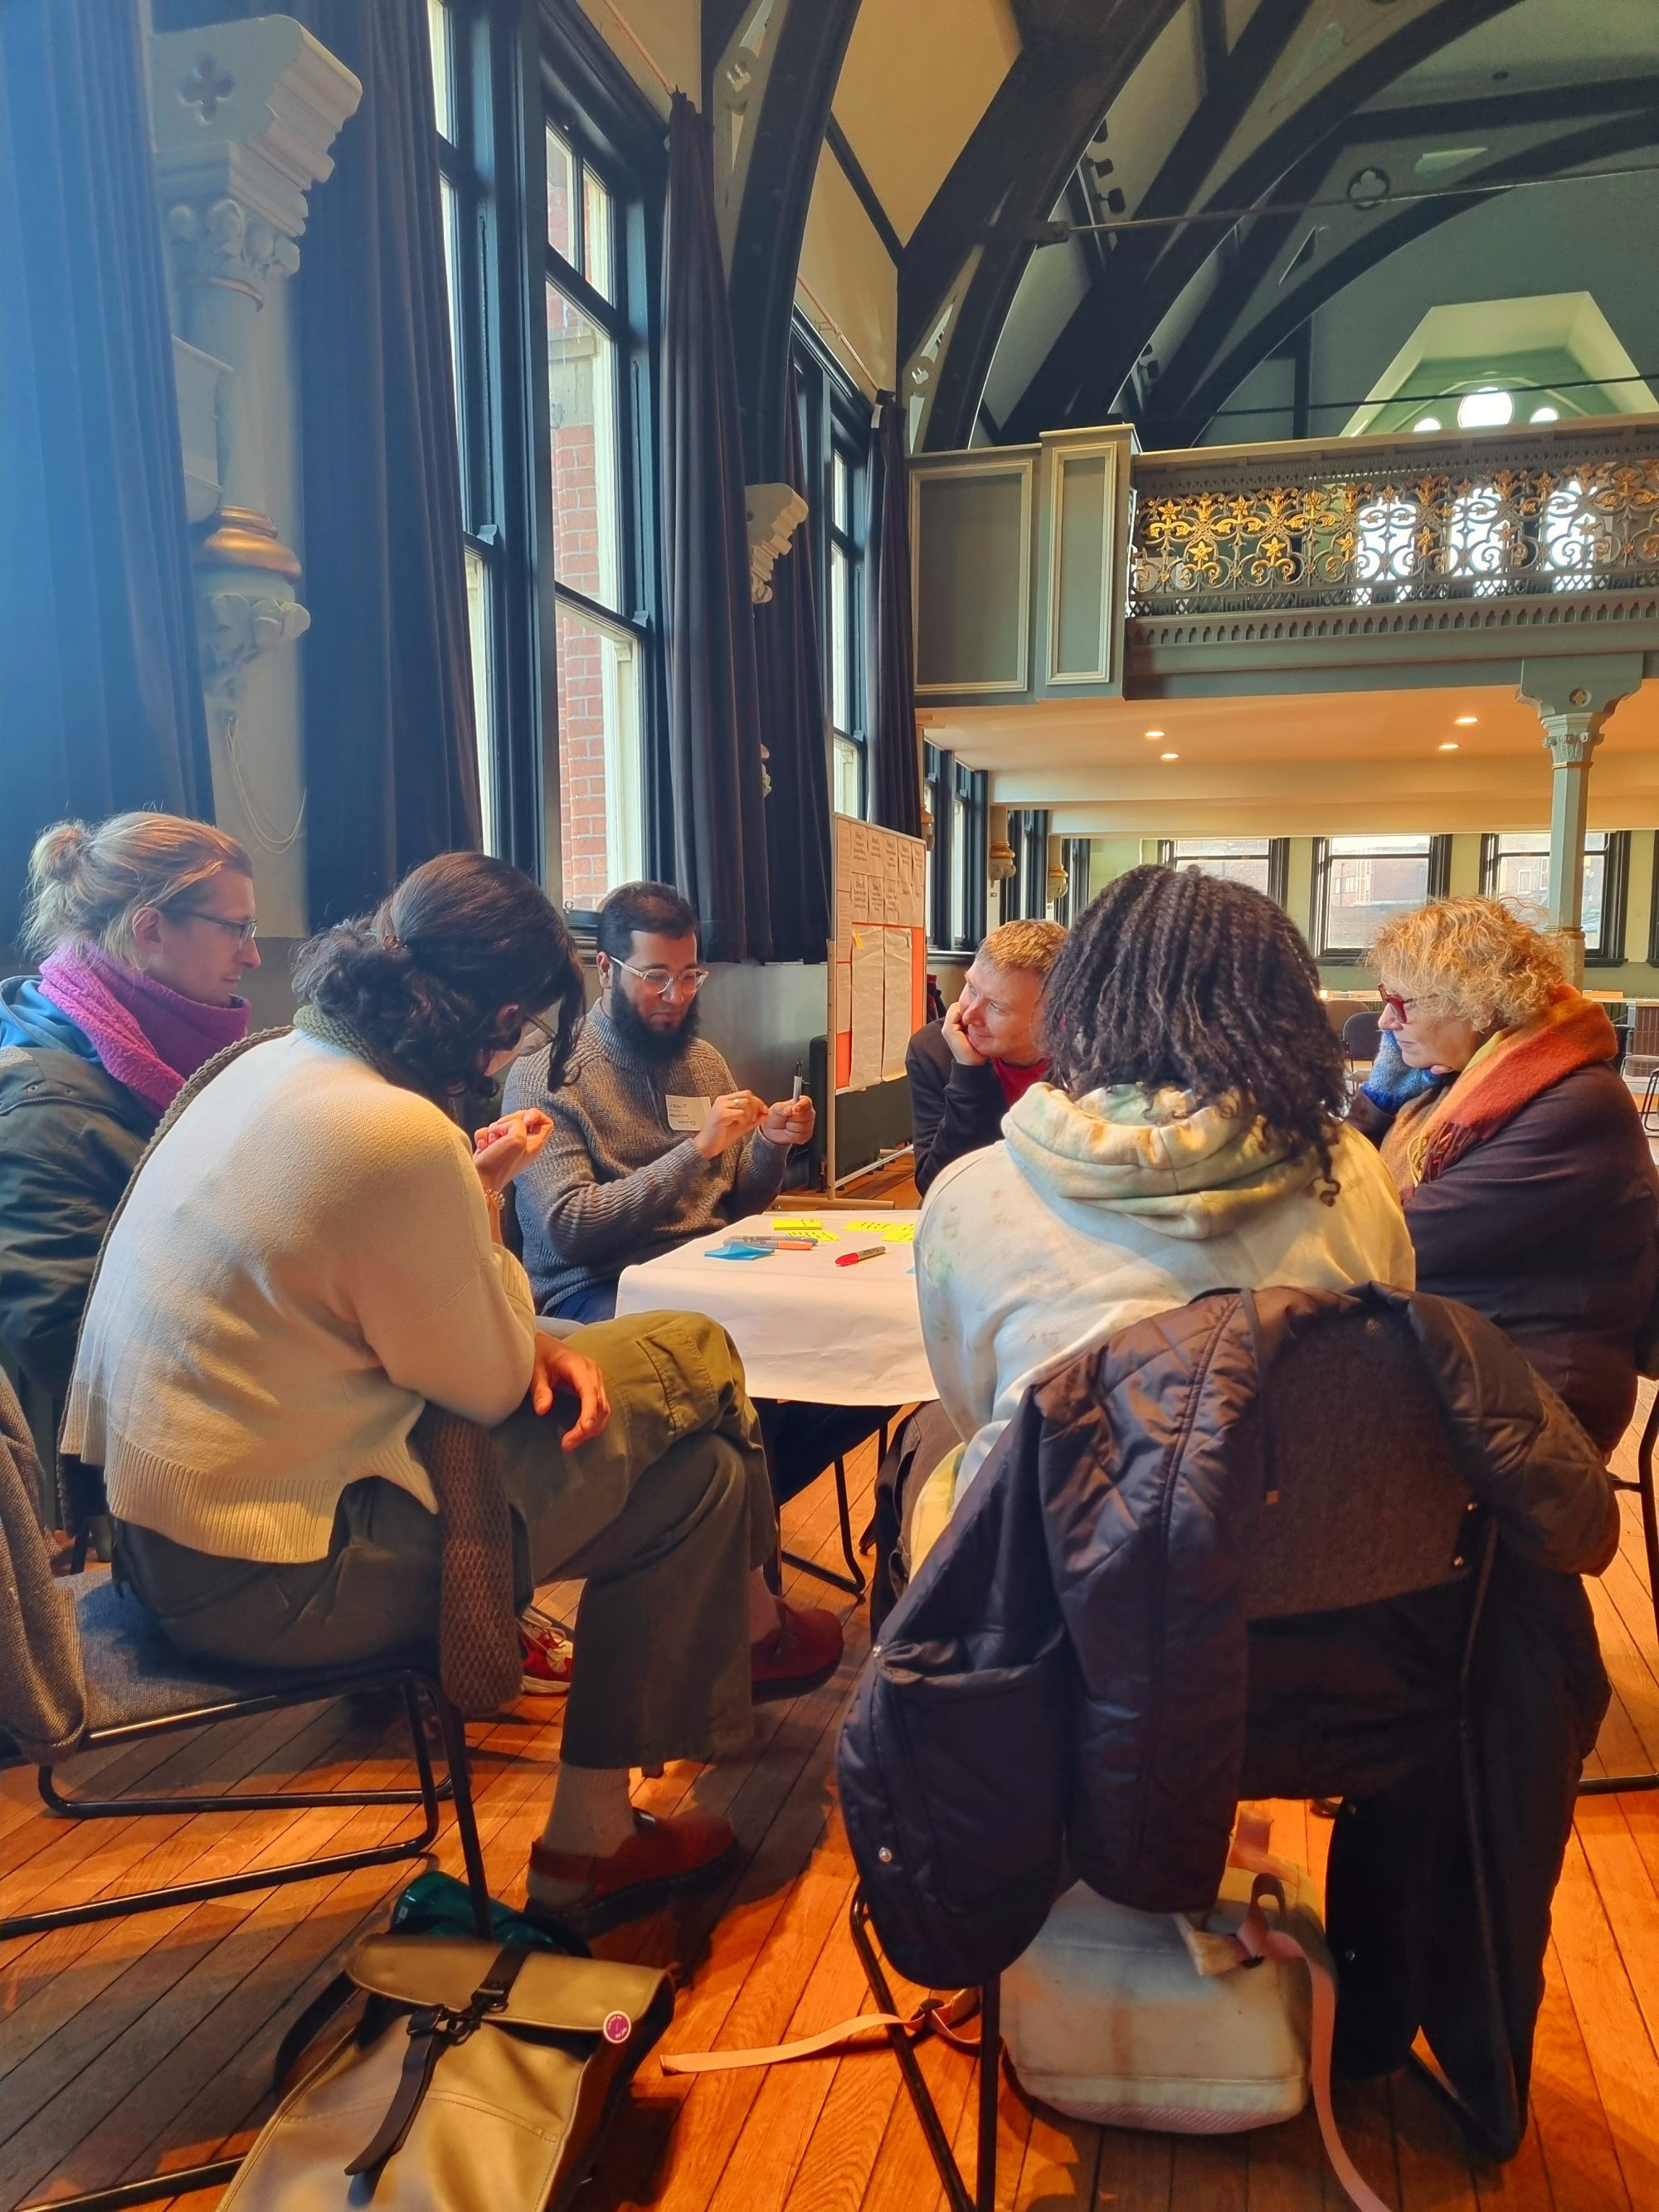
{"points": [[803, 1649], [663, 1859]]}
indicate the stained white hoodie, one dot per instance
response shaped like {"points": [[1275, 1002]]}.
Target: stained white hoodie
{"points": [[1097, 1213]]}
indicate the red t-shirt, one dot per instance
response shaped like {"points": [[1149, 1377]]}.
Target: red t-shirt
{"points": [[1017, 1081]]}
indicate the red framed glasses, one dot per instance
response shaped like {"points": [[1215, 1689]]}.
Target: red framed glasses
{"points": [[1393, 998]]}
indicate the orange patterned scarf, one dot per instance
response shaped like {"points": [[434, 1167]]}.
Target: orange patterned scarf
{"points": [[1506, 1074]]}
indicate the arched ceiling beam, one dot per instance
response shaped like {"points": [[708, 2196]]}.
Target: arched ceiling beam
{"points": [[1190, 393], [1262, 245], [1090, 361], [1078, 56], [784, 111]]}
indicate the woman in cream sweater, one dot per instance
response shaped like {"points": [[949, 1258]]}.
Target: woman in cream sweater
{"points": [[311, 1252], [1189, 1139]]}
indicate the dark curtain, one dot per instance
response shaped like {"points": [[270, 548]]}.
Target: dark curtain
{"points": [[101, 697], [719, 832], [391, 763], [895, 747], [797, 732]]}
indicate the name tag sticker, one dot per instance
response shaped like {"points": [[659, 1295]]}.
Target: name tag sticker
{"points": [[687, 1114]]}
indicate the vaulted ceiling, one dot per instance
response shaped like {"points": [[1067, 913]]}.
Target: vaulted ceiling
{"points": [[997, 140]]}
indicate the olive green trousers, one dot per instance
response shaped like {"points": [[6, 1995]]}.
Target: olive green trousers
{"points": [[663, 1515]]}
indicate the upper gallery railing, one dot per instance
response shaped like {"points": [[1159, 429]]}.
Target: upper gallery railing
{"points": [[1362, 522]]}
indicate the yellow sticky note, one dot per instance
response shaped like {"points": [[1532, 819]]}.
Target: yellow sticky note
{"points": [[795, 1224], [890, 1232]]}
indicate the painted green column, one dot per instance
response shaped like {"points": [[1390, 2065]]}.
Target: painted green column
{"points": [[1573, 697]]}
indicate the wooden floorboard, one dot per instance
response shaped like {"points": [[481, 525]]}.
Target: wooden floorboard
{"points": [[136, 2046]]}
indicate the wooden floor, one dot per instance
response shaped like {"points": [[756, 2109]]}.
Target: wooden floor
{"points": [[143, 2043]]}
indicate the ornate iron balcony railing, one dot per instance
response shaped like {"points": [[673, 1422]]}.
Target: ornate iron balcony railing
{"points": [[1383, 521]]}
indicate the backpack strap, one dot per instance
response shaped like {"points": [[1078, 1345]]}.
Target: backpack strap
{"points": [[942, 2020]]}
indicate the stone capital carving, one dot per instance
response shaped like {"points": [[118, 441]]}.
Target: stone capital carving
{"points": [[1570, 740], [237, 625], [775, 513], [245, 112], [223, 244]]}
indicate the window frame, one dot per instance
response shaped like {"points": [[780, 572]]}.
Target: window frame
{"points": [[1438, 882], [1278, 857], [585, 97], [834, 423], [957, 860], [1609, 952], [1076, 856]]}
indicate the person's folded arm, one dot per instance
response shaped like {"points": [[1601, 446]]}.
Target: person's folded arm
{"points": [[447, 1311], [62, 1174], [1534, 1179], [962, 1365], [957, 1112]]}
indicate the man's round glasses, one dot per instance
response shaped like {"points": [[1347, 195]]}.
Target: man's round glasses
{"points": [[660, 981], [243, 932]]}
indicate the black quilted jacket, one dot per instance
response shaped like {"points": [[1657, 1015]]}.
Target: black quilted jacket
{"points": [[1070, 1688]]}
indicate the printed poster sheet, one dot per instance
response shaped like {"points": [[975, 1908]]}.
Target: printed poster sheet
{"points": [[880, 885], [869, 1005], [895, 1013]]}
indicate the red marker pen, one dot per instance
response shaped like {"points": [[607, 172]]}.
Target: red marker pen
{"points": [[852, 1259]]}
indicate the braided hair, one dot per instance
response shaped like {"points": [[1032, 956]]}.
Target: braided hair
{"points": [[1184, 980]]}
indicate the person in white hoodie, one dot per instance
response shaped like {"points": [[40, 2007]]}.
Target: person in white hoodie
{"points": [[1190, 1138]]}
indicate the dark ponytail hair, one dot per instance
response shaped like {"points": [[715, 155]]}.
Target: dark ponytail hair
{"points": [[1184, 980], [422, 980]]}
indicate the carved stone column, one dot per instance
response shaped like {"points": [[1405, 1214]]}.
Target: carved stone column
{"points": [[1573, 699], [244, 114]]}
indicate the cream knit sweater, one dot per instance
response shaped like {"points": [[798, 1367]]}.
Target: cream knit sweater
{"points": [[306, 1259]]}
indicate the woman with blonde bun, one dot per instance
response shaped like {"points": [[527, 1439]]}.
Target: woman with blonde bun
{"points": [[1516, 1149], [143, 926]]}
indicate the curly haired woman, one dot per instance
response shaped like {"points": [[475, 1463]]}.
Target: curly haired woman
{"points": [[310, 1254], [1529, 1190], [1189, 1139]]}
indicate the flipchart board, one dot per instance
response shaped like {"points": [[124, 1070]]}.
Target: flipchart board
{"points": [[878, 960]]}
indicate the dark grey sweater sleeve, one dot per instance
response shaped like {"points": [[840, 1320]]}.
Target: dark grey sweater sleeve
{"points": [[586, 1219]]}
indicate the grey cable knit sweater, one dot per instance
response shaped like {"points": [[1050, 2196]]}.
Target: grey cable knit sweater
{"points": [[614, 1184]]}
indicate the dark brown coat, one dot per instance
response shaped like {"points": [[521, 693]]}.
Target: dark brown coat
{"points": [[1550, 1229]]}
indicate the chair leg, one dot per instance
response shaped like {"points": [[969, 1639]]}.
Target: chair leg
{"points": [[429, 1795], [1613, 1785], [854, 1582], [466, 1822], [984, 2195]]}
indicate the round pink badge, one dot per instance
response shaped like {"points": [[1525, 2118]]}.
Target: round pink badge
{"points": [[617, 2027]]}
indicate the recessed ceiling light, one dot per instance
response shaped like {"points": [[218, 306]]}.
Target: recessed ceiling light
{"points": [[1169, 755], [1450, 745], [1465, 722], [1155, 733]]}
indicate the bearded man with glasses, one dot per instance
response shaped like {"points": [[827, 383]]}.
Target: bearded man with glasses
{"points": [[654, 1143]]}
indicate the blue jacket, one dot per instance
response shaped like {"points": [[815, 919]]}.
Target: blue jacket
{"points": [[70, 1136]]}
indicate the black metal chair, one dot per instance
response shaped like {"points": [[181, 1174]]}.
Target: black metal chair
{"points": [[818, 1438], [1651, 1104], [1387, 1516], [137, 1687], [1361, 1036], [1612, 1785]]}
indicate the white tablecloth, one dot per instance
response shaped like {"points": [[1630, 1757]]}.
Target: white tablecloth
{"points": [[804, 1328]]}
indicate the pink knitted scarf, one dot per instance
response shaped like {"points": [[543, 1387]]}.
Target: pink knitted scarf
{"points": [[147, 1037]]}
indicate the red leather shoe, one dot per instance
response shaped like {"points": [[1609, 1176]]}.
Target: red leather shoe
{"points": [[663, 1859], [803, 1649]]}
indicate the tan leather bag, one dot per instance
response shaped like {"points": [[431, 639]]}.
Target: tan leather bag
{"points": [[479, 2079]]}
